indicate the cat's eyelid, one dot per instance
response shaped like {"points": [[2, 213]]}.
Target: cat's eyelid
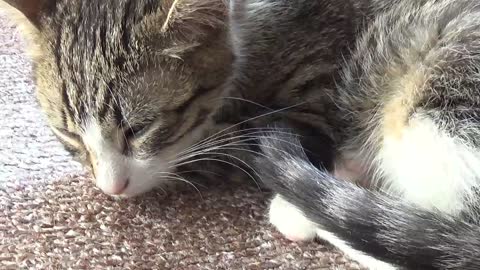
{"points": [[68, 137], [144, 130]]}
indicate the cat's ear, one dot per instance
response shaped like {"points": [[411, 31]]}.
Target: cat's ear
{"points": [[26, 15], [30, 10], [186, 14], [188, 23]]}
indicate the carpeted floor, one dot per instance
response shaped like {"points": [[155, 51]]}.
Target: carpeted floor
{"points": [[52, 217]]}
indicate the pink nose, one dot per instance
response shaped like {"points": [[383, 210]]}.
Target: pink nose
{"points": [[119, 187]]}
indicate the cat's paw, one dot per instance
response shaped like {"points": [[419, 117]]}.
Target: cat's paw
{"points": [[290, 221]]}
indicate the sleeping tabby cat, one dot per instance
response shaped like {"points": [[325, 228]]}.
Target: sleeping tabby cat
{"points": [[126, 85], [405, 123], [136, 89]]}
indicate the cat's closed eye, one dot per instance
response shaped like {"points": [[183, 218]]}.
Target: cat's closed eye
{"points": [[136, 131]]}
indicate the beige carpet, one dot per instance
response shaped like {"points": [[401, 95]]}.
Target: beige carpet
{"points": [[52, 217]]}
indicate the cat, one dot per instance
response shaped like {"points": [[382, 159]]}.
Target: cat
{"points": [[141, 91], [403, 119], [127, 86]]}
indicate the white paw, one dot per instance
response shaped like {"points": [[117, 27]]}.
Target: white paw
{"points": [[290, 221]]}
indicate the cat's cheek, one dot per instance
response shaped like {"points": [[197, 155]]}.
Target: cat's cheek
{"points": [[290, 221]]}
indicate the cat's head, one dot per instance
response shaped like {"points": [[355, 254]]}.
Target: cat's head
{"points": [[127, 85]]}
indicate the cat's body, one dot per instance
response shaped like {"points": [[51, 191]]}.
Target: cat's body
{"points": [[282, 61], [404, 123], [140, 91], [136, 87]]}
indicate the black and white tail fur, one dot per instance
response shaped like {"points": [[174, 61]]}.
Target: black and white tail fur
{"points": [[360, 221], [404, 118]]}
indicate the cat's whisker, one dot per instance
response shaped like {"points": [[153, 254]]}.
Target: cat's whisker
{"points": [[228, 147], [213, 140], [178, 175], [163, 190], [248, 101], [199, 171], [222, 161], [199, 144], [251, 119], [212, 146], [251, 151], [243, 150], [219, 145], [169, 178], [167, 21], [209, 150], [170, 174]]}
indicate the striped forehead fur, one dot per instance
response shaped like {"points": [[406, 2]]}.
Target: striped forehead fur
{"points": [[116, 63]]}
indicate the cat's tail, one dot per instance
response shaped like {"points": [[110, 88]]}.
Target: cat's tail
{"points": [[373, 223]]}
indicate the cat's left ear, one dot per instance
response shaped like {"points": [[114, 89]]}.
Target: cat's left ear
{"points": [[27, 13], [31, 9]]}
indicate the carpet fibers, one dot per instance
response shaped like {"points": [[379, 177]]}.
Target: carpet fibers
{"points": [[52, 216]]}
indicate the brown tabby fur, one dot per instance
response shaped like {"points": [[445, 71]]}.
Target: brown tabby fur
{"points": [[162, 66], [133, 58]]}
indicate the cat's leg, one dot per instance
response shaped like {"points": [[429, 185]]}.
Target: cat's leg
{"points": [[290, 221]]}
